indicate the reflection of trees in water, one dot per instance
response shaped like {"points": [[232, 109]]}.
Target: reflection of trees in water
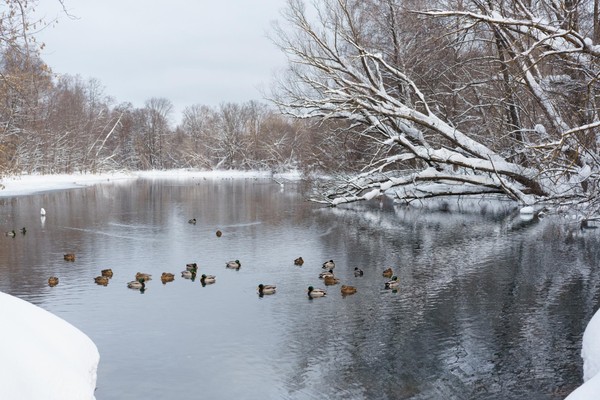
{"points": [[489, 304]]}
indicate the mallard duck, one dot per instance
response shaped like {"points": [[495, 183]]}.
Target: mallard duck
{"points": [[329, 264], [312, 292], [219, 233], [233, 264], [23, 230], [388, 273], [322, 275], [392, 283], [53, 281], [143, 276], [167, 277], [191, 267], [192, 221], [358, 272], [101, 280], [139, 284], [107, 273], [298, 261], [348, 289], [266, 289], [188, 274], [331, 280], [207, 279], [11, 233], [69, 257]]}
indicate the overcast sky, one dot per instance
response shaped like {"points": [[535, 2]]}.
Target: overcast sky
{"points": [[190, 52]]}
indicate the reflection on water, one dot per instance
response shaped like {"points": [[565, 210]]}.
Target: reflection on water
{"points": [[490, 306]]}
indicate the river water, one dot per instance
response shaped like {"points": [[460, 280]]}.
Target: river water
{"points": [[489, 306]]}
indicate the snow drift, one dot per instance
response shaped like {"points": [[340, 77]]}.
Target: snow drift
{"points": [[43, 356]]}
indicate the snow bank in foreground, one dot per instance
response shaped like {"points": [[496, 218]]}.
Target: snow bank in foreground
{"points": [[43, 356], [590, 352]]}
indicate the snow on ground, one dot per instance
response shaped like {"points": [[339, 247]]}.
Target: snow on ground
{"points": [[29, 184], [43, 356], [590, 352]]}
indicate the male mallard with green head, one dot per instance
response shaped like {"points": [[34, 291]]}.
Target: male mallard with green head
{"points": [[312, 292], [191, 267], [266, 289], [394, 282], [207, 279], [322, 275], [138, 284], [233, 264], [188, 274]]}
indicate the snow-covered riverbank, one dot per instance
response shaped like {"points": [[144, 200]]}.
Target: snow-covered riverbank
{"points": [[43, 356], [590, 352], [29, 184]]}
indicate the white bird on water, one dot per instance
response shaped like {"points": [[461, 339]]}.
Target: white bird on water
{"points": [[43, 212]]}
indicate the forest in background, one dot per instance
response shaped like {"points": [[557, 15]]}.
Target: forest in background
{"points": [[56, 123], [419, 98], [68, 124]]}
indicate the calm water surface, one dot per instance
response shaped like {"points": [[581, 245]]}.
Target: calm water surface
{"points": [[489, 307]]}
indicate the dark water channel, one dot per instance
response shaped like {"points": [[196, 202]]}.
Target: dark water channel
{"points": [[490, 306]]}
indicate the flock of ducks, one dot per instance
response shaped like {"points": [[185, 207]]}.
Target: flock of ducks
{"points": [[13, 233], [141, 278], [330, 279], [191, 270]]}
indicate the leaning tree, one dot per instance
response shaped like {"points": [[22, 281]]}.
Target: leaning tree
{"points": [[454, 98]]}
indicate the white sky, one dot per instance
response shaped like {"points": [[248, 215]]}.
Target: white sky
{"points": [[190, 52]]}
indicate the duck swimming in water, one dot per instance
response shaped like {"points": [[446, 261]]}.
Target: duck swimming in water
{"points": [[139, 284], [348, 289], [266, 289], [393, 283], [233, 264], [207, 279], [313, 293], [101, 280]]}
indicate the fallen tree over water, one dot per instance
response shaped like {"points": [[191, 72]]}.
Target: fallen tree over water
{"points": [[462, 99]]}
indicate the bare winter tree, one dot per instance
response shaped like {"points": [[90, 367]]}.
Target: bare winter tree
{"points": [[453, 98], [24, 79], [198, 126], [155, 129]]}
